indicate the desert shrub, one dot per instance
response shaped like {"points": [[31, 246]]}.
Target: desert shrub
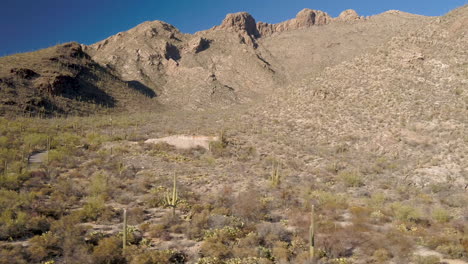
{"points": [[38, 225], [270, 233], [156, 197], [71, 237], [280, 252], [377, 200], [13, 255], [454, 249], [44, 247], [209, 260], [35, 141], [405, 212], [92, 209], [99, 185], [198, 223], [4, 142], [215, 249], [140, 256], [329, 200], [220, 148], [136, 216], [108, 251], [247, 246], [58, 155], [13, 181], [13, 224], [248, 260], [248, 206], [381, 255], [441, 215], [94, 140], [217, 243], [351, 178], [340, 243], [66, 139]]}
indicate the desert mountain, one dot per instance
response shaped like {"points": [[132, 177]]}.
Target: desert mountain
{"points": [[237, 62], [231, 144], [241, 59]]}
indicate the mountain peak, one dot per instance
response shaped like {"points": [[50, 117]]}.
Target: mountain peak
{"points": [[240, 22], [348, 15]]}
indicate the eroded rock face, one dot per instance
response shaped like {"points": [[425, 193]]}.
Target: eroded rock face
{"points": [[305, 18], [240, 22], [309, 17], [348, 15], [197, 44]]}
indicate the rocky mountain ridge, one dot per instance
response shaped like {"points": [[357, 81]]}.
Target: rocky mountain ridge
{"points": [[241, 60]]}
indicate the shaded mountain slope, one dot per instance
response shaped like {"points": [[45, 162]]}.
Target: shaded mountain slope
{"points": [[62, 80]]}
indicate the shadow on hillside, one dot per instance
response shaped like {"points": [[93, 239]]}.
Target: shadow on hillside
{"points": [[141, 88]]}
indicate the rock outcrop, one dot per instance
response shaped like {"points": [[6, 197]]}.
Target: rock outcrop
{"points": [[348, 15], [197, 44], [305, 18], [241, 22]]}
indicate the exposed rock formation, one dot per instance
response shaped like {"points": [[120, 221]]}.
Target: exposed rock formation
{"points": [[348, 15], [197, 44], [240, 22], [305, 18]]}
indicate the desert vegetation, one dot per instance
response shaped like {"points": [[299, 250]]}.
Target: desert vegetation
{"points": [[233, 204]]}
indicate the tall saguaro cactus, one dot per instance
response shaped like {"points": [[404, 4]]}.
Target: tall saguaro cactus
{"points": [[173, 199], [48, 149], [312, 235], [124, 231], [275, 176]]}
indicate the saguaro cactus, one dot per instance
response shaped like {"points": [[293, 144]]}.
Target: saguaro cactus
{"points": [[312, 235], [173, 199], [48, 149], [5, 168], [124, 231], [275, 176]]}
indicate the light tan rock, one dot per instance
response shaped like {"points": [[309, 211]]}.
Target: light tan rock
{"points": [[305, 18]]}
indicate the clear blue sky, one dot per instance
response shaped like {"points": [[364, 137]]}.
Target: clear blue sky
{"points": [[27, 25]]}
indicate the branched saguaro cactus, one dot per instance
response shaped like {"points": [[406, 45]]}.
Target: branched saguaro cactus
{"points": [[124, 231], [312, 235], [275, 176], [172, 200]]}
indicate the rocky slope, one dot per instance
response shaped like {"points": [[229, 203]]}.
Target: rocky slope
{"points": [[242, 60], [63, 80], [407, 98]]}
